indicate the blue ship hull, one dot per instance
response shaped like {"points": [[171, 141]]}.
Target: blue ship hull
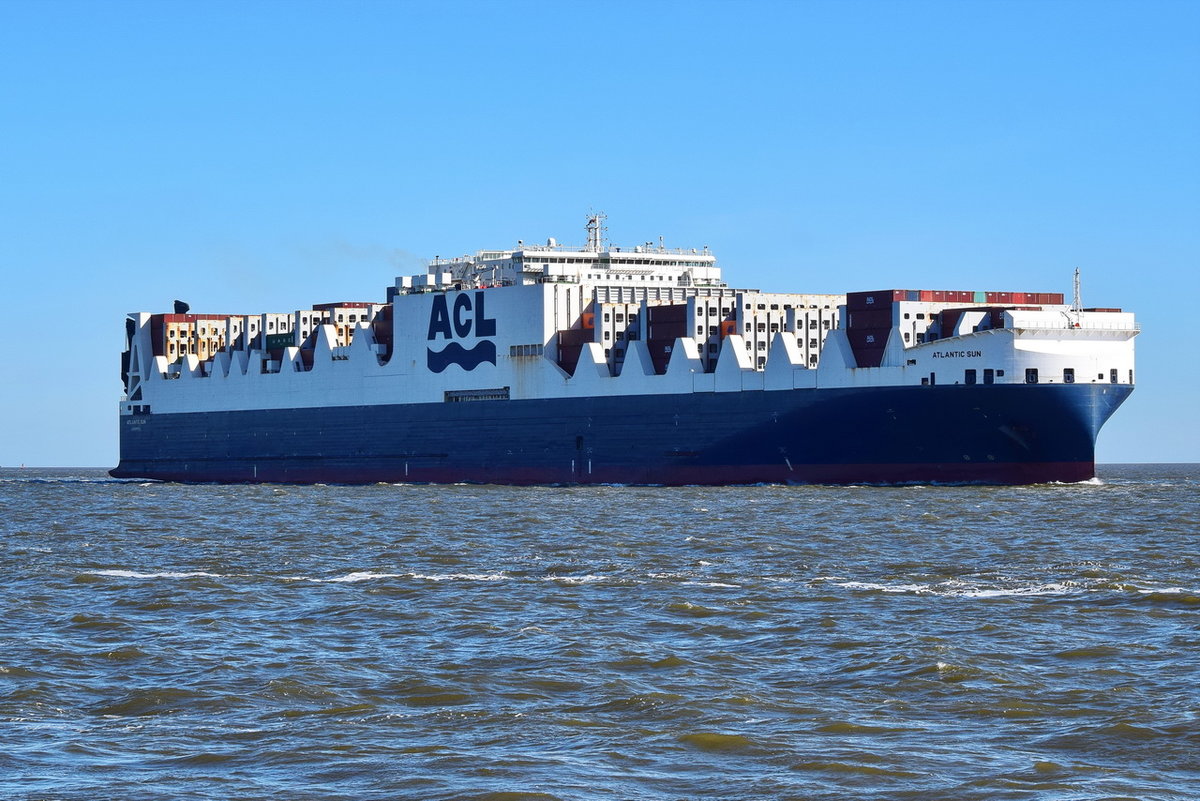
{"points": [[997, 434]]}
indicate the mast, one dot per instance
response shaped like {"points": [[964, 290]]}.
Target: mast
{"points": [[596, 231], [1077, 305]]}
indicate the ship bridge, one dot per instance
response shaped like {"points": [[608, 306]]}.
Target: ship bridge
{"points": [[596, 263]]}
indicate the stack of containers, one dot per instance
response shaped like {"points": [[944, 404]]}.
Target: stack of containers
{"points": [[872, 316], [665, 324]]}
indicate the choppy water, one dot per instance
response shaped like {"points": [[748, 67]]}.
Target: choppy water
{"points": [[164, 641]]}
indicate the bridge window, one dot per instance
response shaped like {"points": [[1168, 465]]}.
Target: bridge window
{"points": [[1031, 375], [1068, 375]]}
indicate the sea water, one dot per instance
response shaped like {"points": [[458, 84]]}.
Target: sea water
{"points": [[166, 641]]}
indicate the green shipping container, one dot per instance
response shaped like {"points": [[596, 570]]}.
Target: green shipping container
{"points": [[278, 341], [981, 297]]}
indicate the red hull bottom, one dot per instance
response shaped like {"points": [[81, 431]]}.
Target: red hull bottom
{"points": [[580, 474]]}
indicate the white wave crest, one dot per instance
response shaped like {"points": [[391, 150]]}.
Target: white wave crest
{"points": [[867, 585], [362, 575], [958, 589], [163, 574], [459, 576], [589, 578]]}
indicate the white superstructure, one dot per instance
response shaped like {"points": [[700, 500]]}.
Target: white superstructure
{"points": [[549, 321]]}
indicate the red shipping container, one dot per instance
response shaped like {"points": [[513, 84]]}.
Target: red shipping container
{"points": [[868, 356], [938, 295]]}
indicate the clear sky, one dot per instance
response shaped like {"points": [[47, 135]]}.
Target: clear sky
{"points": [[264, 156]]}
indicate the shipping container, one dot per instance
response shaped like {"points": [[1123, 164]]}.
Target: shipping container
{"points": [[576, 337], [280, 341], [868, 337], [660, 353], [948, 319], [670, 313], [874, 300], [868, 356], [872, 318], [668, 330]]}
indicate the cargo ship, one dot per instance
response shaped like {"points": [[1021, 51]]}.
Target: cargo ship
{"points": [[597, 364]]}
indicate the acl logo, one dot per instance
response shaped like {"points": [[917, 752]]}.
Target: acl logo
{"points": [[466, 319]]}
